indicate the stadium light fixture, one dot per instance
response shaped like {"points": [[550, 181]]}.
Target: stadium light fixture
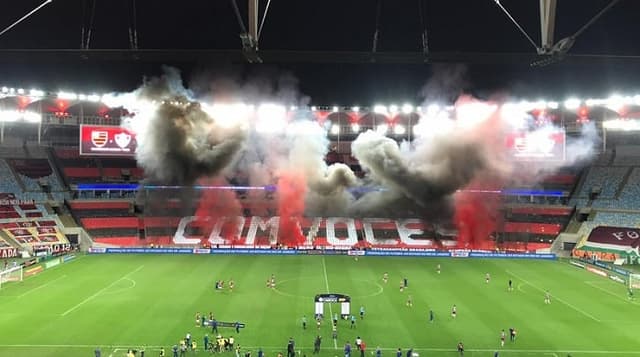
{"points": [[379, 109], [67, 95], [355, 128], [335, 109], [433, 109], [82, 97], [407, 108], [399, 130], [615, 102], [21, 91], [12, 90], [636, 99], [313, 108], [553, 105], [335, 129], [93, 98], [293, 108], [572, 103], [5, 90], [382, 129], [271, 118], [355, 109], [36, 93], [393, 108]]}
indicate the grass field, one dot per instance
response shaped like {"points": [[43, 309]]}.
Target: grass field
{"points": [[122, 301]]}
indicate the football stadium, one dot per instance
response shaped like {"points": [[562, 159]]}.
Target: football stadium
{"points": [[169, 221]]}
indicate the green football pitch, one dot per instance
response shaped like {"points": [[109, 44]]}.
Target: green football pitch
{"points": [[117, 302]]}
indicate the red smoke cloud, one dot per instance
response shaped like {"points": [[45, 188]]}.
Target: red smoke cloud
{"points": [[215, 204], [477, 214], [291, 192]]}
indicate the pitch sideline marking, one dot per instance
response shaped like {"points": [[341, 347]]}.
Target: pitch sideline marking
{"points": [[273, 348], [40, 286], [101, 291], [326, 283], [557, 298]]}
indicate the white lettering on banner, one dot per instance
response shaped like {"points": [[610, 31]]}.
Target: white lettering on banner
{"points": [[216, 238], [629, 234], [8, 253], [272, 224], [352, 234], [406, 232], [179, 237], [259, 226], [367, 226]]}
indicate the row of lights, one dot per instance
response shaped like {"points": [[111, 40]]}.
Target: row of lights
{"points": [[381, 129], [614, 102]]}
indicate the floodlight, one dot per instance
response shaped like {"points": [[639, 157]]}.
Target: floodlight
{"points": [[433, 109], [20, 91], [380, 109], [552, 105], [335, 129], [399, 130], [355, 128], [271, 118], [393, 108], [5, 90], [313, 108], [382, 129], [93, 98], [67, 95], [407, 108], [335, 109], [572, 103], [36, 93], [355, 109]]}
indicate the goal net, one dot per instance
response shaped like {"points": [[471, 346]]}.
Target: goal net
{"points": [[634, 281], [11, 274]]}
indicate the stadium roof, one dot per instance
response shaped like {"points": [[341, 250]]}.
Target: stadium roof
{"points": [[140, 35]]}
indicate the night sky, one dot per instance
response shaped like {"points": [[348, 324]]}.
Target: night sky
{"points": [[330, 25]]}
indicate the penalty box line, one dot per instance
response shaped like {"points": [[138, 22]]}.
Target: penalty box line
{"points": [[557, 298], [121, 347], [101, 291]]}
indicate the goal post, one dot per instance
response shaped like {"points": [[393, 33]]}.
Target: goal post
{"points": [[634, 281], [11, 274]]}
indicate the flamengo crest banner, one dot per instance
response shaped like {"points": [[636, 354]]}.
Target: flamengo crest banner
{"points": [[104, 140]]}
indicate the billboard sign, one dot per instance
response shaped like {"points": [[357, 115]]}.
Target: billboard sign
{"points": [[540, 145], [104, 140]]}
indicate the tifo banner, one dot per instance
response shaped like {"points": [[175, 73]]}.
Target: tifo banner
{"points": [[331, 231], [100, 140], [537, 146], [619, 240]]}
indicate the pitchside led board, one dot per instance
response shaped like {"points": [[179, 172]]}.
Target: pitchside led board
{"points": [[103, 140], [537, 146]]}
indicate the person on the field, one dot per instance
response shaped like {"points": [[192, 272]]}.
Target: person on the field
{"points": [[291, 352], [232, 341], [162, 352], [454, 311], [547, 297], [461, 348], [358, 342], [335, 319], [260, 353], [410, 352], [316, 344], [97, 352], [237, 327], [502, 338], [487, 278], [197, 319], [347, 349], [431, 316], [304, 322], [353, 321], [206, 342], [410, 301], [438, 269], [363, 348], [385, 277], [510, 285], [175, 350], [399, 352], [378, 352], [361, 312]]}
